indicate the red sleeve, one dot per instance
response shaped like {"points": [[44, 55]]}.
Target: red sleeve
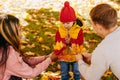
{"points": [[80, 38], [58, 39], [57, 52], [57, 36]]}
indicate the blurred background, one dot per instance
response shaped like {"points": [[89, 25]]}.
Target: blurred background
{"points": [[40, 19]]}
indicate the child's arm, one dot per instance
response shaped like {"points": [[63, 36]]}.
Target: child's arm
{"points": [[80, 39], [59, 44]]}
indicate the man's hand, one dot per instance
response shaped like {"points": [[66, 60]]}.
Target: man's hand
{"points": [[87, 57]]}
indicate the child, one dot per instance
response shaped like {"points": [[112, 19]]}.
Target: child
{"points": [[69, 40], [11, 61]]}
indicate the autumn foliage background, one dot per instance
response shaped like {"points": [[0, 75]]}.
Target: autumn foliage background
{"points": [[38, 39]]}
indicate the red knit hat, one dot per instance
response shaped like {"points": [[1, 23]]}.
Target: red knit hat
{"points": [[67, 13]]}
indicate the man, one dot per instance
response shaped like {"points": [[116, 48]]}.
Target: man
{"points": [[107, 53]]}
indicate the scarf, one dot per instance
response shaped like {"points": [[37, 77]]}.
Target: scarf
{"points": [[74, 31]]}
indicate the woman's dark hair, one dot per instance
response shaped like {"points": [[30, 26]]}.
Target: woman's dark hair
{"points": [[4, 45], [9, 35]]}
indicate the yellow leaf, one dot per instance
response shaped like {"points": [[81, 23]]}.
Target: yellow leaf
{"points": [[44, 77], [45, 47], [40, 39], [24, 42], [58, 45], [49, 34], [30, 53]]}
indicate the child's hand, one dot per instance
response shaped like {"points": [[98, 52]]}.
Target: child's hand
{"points": [[67, 39]]}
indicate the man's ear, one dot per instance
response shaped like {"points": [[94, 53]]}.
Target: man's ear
{"points": [[98, 26]]}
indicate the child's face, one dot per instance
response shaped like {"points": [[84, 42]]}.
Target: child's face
{"points": [[68, 25]]}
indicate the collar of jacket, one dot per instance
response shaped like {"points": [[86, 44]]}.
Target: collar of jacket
{"points": [[73, 32]]}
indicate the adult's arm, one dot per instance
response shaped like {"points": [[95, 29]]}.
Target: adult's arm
{"points": [[16, 66], [96, 69]]}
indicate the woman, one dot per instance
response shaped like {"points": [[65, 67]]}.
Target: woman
{"points": [[11, 61]]}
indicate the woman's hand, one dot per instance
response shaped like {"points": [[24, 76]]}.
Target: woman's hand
{"points": [[53, 57]]}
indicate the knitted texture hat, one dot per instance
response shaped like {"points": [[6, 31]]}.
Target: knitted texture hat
{"points": [[67, 13]]}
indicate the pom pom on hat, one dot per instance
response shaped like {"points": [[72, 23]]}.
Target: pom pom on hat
{"points": [[67, 13], [66, 4]]}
